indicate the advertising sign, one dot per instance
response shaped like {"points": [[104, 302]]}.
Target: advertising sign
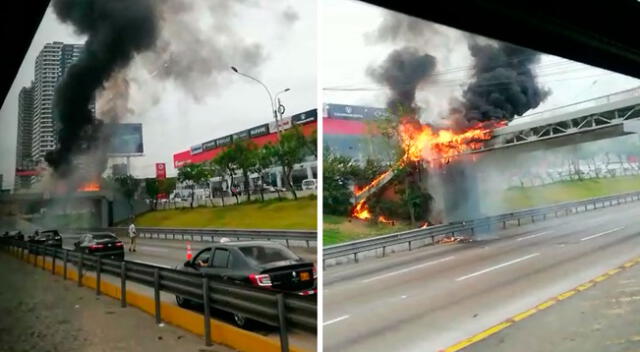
{"points": [[161, 171], [259, 130], [285, 123], [305, 117], [341, 111], [196, 149], [208, 145], [125, 138], [222, 141], [241, 135]]}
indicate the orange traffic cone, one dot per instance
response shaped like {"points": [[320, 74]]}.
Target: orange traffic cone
{"points": [[189, 254]]}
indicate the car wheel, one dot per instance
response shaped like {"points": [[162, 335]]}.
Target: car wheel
{"points": [[182, 302], [240, 320]]}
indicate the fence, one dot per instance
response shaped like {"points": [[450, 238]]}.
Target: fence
{"points": [[284, 311], [193, 234], [472, 226]]}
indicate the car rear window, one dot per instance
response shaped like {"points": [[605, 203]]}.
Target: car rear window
{"points": [[267, 254], [104, 236]]}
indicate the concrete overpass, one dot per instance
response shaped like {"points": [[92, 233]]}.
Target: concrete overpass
{"points": [[609, 116]]}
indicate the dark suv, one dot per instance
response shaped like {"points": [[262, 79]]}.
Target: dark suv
{"points": [[262, 264]]}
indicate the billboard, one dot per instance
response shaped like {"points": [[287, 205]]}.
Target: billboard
{"points": [[161, 171], [259, 130], [222, 141], [304, 117], [196, 149], [125, 138], [341, 111], [241, 135], [285, 123], [208, 145]]}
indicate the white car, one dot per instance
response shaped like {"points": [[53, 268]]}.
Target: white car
{"points": [[309, 184]]}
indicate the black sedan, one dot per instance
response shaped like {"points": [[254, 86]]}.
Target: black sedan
{"points": [[14, 235], [48, 238], [103, 244], [262, 264]]}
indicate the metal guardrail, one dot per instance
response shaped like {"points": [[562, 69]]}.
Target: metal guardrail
{"points": [[195, 234], [472, 226], [285, 311]]}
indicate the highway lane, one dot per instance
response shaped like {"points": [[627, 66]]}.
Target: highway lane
{"points": [[170, 253], [431, 298]]}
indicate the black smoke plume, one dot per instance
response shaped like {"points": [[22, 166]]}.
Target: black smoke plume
{"points": [[403, 71], [504, 84], [116, 30]]}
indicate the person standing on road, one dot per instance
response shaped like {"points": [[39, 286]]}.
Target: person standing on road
{"points": [[132, 236]]}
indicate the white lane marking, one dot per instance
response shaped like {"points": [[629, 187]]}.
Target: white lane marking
{"points": [[156, 264], [407, 269], [336, 320], [533, 236], [497, 266], [601, 233], [154, 249]]}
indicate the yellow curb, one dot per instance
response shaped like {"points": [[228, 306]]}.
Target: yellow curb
{"points": [[221, 332], [546, 304]]}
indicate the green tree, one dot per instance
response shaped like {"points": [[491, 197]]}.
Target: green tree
{"points": [[244, 157], [226, 160], [128, 187], [217, 171], [263, 162], [167, 186], [338, 173], [289, 151], [152, 187], [193, 175]]}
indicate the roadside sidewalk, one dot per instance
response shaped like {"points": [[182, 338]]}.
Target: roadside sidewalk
{"points": [[42, 312], [603, 318]]}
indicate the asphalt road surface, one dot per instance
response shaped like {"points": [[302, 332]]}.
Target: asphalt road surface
{"points": [[170, 253], [604, 318], [431, 298]]}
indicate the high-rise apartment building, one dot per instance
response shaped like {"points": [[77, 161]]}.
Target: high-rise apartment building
{"points": [[51, 64]]}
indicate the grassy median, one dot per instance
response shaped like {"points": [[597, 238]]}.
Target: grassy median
{"points": [[272, 214], [339, 229]]}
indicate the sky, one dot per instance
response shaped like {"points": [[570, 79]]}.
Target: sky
{"points": [[286, 31], [348, 49]]}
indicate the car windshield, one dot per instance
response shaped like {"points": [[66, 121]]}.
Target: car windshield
{"points": [[267, 254], [308, 182]]}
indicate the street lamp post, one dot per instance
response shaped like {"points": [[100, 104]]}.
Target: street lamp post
{"points": [[271, 98]]}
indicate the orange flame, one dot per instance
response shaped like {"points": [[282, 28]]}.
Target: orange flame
{"points": [[90, 186], [425, 225], [372, 183], [361, 211], [385, 220], [424, 142]]}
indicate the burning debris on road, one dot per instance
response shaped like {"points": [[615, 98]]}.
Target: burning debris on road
{"points": [[448, 239]]}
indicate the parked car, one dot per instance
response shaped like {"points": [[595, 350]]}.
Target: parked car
{"points": [[262, 264], [47, 238], [309, 184], [103, 244]]}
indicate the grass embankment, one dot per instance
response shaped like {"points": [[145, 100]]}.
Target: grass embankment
{"points": [[530, 197], [339, 229], [272, 214]]}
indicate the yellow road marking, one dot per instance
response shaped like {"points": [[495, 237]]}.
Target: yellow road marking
{"points": [[546, 304]]}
